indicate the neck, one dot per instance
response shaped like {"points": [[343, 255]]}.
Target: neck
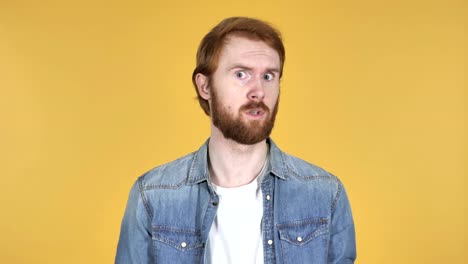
{"points": [[233, 164]]}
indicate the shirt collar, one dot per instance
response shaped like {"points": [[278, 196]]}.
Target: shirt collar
{"points": [[199, 167]]}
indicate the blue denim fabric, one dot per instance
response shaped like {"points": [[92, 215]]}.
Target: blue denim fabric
{"points": [[307, 218]]}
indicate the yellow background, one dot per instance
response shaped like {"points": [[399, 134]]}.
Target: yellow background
{"points": [[95, 93]]}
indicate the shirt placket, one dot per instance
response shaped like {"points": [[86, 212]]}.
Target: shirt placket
{"points": [[268, 220]]}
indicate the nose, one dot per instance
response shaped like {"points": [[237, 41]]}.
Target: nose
{"points": [[256, 91]]}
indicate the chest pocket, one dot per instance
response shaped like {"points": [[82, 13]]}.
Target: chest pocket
{"points": [[177, 245], [304, 240]]}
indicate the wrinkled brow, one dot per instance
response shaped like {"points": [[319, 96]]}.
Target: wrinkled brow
{"points": [[245, 67]]}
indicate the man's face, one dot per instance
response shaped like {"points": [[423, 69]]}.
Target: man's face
{"points": [[245, 90]]}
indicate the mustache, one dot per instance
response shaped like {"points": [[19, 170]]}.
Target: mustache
{"points": [[255, 105]]}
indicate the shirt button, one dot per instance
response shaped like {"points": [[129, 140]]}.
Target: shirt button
{"points": [[299, 239], [270, 242], [268, 197], [183, 244]]}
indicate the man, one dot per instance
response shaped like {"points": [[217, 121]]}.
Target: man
{"points": [[239, 198]]}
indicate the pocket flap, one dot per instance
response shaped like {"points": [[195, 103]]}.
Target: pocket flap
{"points": [[303, 231], [183, 239]]}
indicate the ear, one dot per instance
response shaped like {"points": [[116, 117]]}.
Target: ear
{"points": [[202, 86]]}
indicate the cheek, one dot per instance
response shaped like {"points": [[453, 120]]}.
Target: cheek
{"points": [[272, 102], [273, 95]]}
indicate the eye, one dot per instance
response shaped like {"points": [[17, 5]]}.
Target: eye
{"points": [[241, 74], [268, 76]]}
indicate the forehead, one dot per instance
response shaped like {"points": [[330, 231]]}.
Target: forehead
{"points": [[239, 49]]}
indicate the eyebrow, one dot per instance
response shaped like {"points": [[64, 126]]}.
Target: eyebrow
{"points": [[276, 70]]}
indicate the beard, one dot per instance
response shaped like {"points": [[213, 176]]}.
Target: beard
{"points": [[246, 132]]}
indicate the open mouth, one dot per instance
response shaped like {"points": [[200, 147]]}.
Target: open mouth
{"points": [[255, 112]]}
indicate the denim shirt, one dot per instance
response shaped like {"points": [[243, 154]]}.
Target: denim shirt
{"points": [[306, 213]]}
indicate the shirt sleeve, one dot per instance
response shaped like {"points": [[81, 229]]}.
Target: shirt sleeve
{"points": [[135, 242], [342, 248]]}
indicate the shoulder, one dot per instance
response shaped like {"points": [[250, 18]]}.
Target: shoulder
{"points": [[169, 175], [304, 170], [296, 170], [303, 173], [287, 166], [311, 180]]}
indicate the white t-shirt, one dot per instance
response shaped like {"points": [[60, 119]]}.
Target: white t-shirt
{"points": [[236, 234]]}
